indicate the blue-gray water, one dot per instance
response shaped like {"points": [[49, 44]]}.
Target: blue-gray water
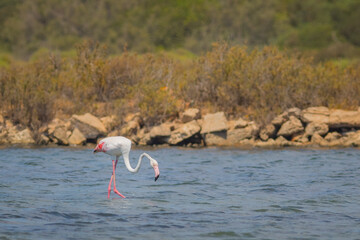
{"points": [[59, 193]]}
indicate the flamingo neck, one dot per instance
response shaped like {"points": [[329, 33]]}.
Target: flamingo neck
{"points": [[127, 162]]}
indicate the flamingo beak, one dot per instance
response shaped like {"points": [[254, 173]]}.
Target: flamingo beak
{"points": [[157, 172], [99, 148], [96, 149]]}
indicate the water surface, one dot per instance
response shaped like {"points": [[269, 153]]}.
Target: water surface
{"points": [[54, 193]]}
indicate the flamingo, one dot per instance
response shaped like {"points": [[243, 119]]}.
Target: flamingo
{"points": [[116, 146]]}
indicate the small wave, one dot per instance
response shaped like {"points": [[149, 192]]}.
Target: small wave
{"points": [[222, 234]]}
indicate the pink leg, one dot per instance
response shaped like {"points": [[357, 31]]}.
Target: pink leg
{"points": [[109, 188], [115, 190]]}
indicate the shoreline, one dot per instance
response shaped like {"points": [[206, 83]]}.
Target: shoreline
{"points": [[157, 147], [314, 127]]}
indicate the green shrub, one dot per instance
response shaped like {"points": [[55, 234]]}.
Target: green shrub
{"points": [[257, 83]]}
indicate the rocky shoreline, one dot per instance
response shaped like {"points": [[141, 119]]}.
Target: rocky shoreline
{"points": [[314, 127]]}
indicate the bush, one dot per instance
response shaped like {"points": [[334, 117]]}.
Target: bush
{"points": [[258, 83]]}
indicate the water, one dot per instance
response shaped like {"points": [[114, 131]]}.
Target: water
{"points": [[56, 193]]}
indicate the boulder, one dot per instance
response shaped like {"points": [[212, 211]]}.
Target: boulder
{"points": [[144, 138], [163, 130], [266, 144], [215, 138], [44, 140], [316, 127], [281, 142], [138, 136], [190, 115], [184, 133], [76, 137], [352, 139], [89, 125], [332, 136], [239, 123], [342, 118], [282, 118], [269, 131], [160, 134], [292, 127], [20, 137], [114, 133], [130, 128], [234, 136], [60, 133], [315, 114], [248, 143], [214, 122], [109, 122], [300, 138], [318, 140], [55, 123]]}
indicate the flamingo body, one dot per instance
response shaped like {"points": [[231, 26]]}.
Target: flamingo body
{"points": [[117, 146]]}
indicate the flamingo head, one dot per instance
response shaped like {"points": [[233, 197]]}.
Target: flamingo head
{"points": [[155, 165], [99, 147]]}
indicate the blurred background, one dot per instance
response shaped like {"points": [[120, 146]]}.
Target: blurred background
{"points": [[112, 57], [326, 29]]}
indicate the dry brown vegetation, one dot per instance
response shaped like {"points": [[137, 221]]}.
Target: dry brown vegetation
{"points": [[255, 83]]}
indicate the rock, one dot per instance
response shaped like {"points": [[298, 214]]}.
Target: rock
{"points": [[316, 127], [130, 128], [236, 135], [285, 116], [60, 135], [214, 122], [281, 142], [333, 139], [215, 138], [114, 133], [269, 131], [232, 137], [317, 139], [109, 122], [144, 139], [160, 134], [55, 123], [266, 144], [89, 125], [44, 140], [315, 114], [353, 139], [185, 132], [139, 135], [163, 130], [341, 118], [247, 143], [190, 115], [76, 138], [300, 138], [291, 127], [20, 137], [239, 123], [332, 136]]}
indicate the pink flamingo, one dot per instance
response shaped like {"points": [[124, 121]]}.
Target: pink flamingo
{"points": [[116, 146]]}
